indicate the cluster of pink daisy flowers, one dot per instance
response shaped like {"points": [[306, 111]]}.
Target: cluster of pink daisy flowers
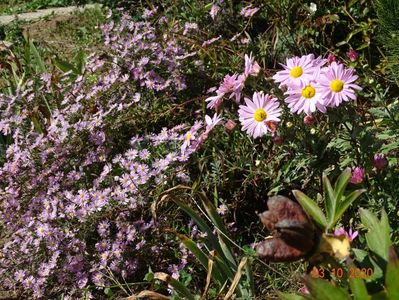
{"points": [[313, 86]]}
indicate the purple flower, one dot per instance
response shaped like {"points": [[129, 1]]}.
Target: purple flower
{"points": [[214, 11], [350, 235], [357, 175], [379, 161], [249, 11]]}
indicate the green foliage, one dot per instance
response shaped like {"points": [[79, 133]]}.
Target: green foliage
{"points": [[377, 237], [218, 260], [335, 202], [388, 17]]}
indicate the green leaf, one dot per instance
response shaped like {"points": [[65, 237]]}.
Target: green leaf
{"points": [[177, 286], [322, 289], [108, 292], [286, 296], [211, 241], [64, 66], [341, 183], [392, 276], [358, 288], [311, 208], [345, 203], [222, 232], [38, 60], [202, 257], [377, 237], [330, 200]]}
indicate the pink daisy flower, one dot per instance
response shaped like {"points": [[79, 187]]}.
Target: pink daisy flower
{"points": [[256, 114], [337, 84], [307, 99], [298, 71]]}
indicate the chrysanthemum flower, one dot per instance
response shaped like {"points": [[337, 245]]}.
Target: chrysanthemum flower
{"points": [[305, 99], [255, 114], [337, 85], [298, 71]]}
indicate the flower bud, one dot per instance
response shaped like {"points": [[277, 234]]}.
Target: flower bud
{"points": [[230, 124], [379, 161], [308, 120], [352, 55], [357, 175]]}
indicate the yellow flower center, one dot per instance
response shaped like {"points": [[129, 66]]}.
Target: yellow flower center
{"points": [[296, 72], [337, 85], [260, 115], [308, 92], [188, 136]]}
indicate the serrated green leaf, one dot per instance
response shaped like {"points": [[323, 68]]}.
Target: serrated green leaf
{"points": [[377, 237], [311, 208]]}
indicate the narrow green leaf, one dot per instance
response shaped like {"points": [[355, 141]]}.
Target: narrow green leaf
{"points": [[38, 60], [344, 204], [358, 288], [341, 183], [311, 208], [392, 276], [64, 66], [322, 289], [177, 286], [330, 200], [377, 237], [211, 241], [222, 232], [202, 257]]}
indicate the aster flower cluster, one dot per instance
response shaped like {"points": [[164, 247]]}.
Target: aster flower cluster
{"points": [[74, 195], [312, 86]]}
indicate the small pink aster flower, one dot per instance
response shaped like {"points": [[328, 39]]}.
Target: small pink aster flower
{"points": [[307, 99], [252, 68], [249, 11], [297, 71], [337, 84], [255, 114], [357, 175], [214, 11], [350, 235]]}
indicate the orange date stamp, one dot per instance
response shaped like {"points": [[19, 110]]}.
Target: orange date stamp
{"points": [[339, 273]]}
